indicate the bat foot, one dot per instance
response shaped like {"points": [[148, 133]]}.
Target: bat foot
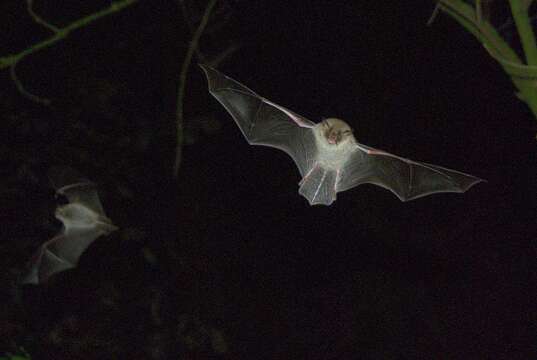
{"points": [[318, 187]]}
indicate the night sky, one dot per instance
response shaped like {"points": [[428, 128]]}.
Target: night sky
{"points": [[230, 244]]}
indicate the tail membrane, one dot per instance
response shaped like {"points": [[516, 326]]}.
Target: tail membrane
{"points": [[319, 186]]}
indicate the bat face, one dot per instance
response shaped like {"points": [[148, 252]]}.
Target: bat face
{"points": [[327, 155], [335, 131], [334, 143]]}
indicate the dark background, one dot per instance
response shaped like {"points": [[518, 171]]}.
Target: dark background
{"points": [[230, 248]]}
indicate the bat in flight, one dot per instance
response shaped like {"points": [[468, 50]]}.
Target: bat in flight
{"points": [[83, 221], [327, 155]]}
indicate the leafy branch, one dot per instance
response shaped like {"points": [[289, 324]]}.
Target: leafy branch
{"points": [[524, 76], [59, 34], [519, 9]]}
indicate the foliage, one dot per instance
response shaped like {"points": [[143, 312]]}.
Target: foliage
{"points": [[523, 75]]}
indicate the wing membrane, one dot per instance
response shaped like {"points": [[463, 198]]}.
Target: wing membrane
{"points": [[262, 122], [407, 179]]}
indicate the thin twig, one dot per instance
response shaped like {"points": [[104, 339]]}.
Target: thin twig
{"points": [[22, 90], [434, 14], [38, 19], [62, 33], [12, 60], [478, 12], [224, 54], [182, 83]]}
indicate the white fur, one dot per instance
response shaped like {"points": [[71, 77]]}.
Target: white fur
{"points": [[333, 156]]}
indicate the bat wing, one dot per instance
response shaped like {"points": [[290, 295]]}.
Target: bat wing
{"points": [[45, 263], [262, 122], [407, 179]]}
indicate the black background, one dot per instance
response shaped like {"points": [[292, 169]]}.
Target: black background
{"points": [[448, 276]]}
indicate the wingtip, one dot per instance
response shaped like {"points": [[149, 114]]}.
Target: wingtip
{"points": [[475, 181]]}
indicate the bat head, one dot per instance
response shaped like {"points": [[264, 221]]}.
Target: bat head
{"points": [[336, 131]]}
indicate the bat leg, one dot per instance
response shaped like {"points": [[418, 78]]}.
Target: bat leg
{"points": [[319, 186]]}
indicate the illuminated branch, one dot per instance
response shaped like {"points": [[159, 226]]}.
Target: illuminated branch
{"points": [[519, 10], [524, 76], [11, 60]]}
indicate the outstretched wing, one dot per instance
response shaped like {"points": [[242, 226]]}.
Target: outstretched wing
{"points": [[262, 122], [405, 178], [45, 263]]}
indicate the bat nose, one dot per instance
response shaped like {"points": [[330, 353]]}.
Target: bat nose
{"points": [[333, 138]]}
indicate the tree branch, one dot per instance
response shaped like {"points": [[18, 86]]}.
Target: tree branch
{"points": [[182, 83], [59, 34]]}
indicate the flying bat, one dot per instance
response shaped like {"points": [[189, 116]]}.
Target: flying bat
{"points": [[327, 155], [83, 221]]}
